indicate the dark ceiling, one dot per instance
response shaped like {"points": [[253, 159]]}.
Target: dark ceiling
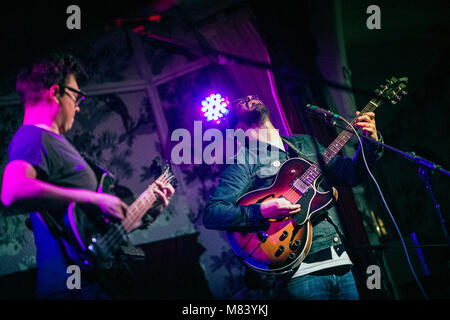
{"points": [[37, 28]]}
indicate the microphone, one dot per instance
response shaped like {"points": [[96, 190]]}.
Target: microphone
{"points": [[322, 112]]}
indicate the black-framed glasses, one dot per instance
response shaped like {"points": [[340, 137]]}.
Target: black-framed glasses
{"points": [[80, 95]]}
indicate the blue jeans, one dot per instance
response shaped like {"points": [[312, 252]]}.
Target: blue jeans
{"points": [[323, 287]]}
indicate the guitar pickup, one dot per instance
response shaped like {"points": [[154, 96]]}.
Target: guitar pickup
{"points": [[295, 245], [284, 235], [279, 251]]}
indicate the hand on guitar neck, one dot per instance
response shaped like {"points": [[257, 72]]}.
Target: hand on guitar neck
{"points": [[366, 122], [115, 208], [165, 191], [279, 208]]}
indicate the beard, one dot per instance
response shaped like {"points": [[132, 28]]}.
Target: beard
{"points": [[255, 117]]}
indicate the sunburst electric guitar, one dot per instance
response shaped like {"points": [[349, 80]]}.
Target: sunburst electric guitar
{"points": [[284, 244]]}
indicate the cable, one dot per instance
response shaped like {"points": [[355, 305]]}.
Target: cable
{"points": [[387, 208]]}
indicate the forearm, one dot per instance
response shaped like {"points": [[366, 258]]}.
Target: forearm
{"points": [[225, 216], [35, 194], [222, 211]]}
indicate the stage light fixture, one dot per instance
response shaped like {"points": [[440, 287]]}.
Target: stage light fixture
{"points": [[215, 107]]}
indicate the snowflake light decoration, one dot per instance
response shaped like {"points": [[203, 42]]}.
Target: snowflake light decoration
{"points": [[215, 107]]}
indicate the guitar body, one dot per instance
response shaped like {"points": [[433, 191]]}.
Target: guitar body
{"points": [[284, 244], [99, 244]]}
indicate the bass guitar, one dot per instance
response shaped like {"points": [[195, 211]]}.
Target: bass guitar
{"points": [[100, 244], [284, 244]]}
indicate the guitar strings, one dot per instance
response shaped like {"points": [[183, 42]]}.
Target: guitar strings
{"points": [[112, 237], [128, 223], [165, 178], [115, 237], [369, 107]]}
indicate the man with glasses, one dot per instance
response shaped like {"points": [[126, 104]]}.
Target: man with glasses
{"points": [[325, 273], [45, 172]]}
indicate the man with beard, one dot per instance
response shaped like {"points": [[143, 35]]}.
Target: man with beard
{"points": [[326, 271]]}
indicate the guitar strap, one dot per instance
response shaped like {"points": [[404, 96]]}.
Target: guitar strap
{"points": [[292, 147], [57, 230], [54, 226]]}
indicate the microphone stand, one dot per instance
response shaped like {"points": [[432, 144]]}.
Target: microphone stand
{"points": [[426, 169]]}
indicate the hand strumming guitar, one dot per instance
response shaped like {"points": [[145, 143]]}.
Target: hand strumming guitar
{"points": [[278, 208], [110, 205]]}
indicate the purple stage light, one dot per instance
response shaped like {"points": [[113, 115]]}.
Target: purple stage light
{"points": [[214, 107]]}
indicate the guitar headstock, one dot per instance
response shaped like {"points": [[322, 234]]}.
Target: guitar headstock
{"points": [[393, 90], [167, 176], [163, 172]]}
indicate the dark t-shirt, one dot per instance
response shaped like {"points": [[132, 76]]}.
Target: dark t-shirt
{"points": [[57, 162]]}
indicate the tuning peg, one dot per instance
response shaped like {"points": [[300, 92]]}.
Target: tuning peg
{"points": [[396, 95], [383, 88]]}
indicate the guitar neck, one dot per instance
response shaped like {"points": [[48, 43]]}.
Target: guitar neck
{"points": [[314, 170], [139, 208], [345, 135]]}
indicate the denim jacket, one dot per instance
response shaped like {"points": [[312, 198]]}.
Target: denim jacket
{"points": [[259, 170]]}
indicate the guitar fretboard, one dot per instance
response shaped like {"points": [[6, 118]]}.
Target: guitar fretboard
{"points": [[303, 183], [138, 208], [145, 201]]}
